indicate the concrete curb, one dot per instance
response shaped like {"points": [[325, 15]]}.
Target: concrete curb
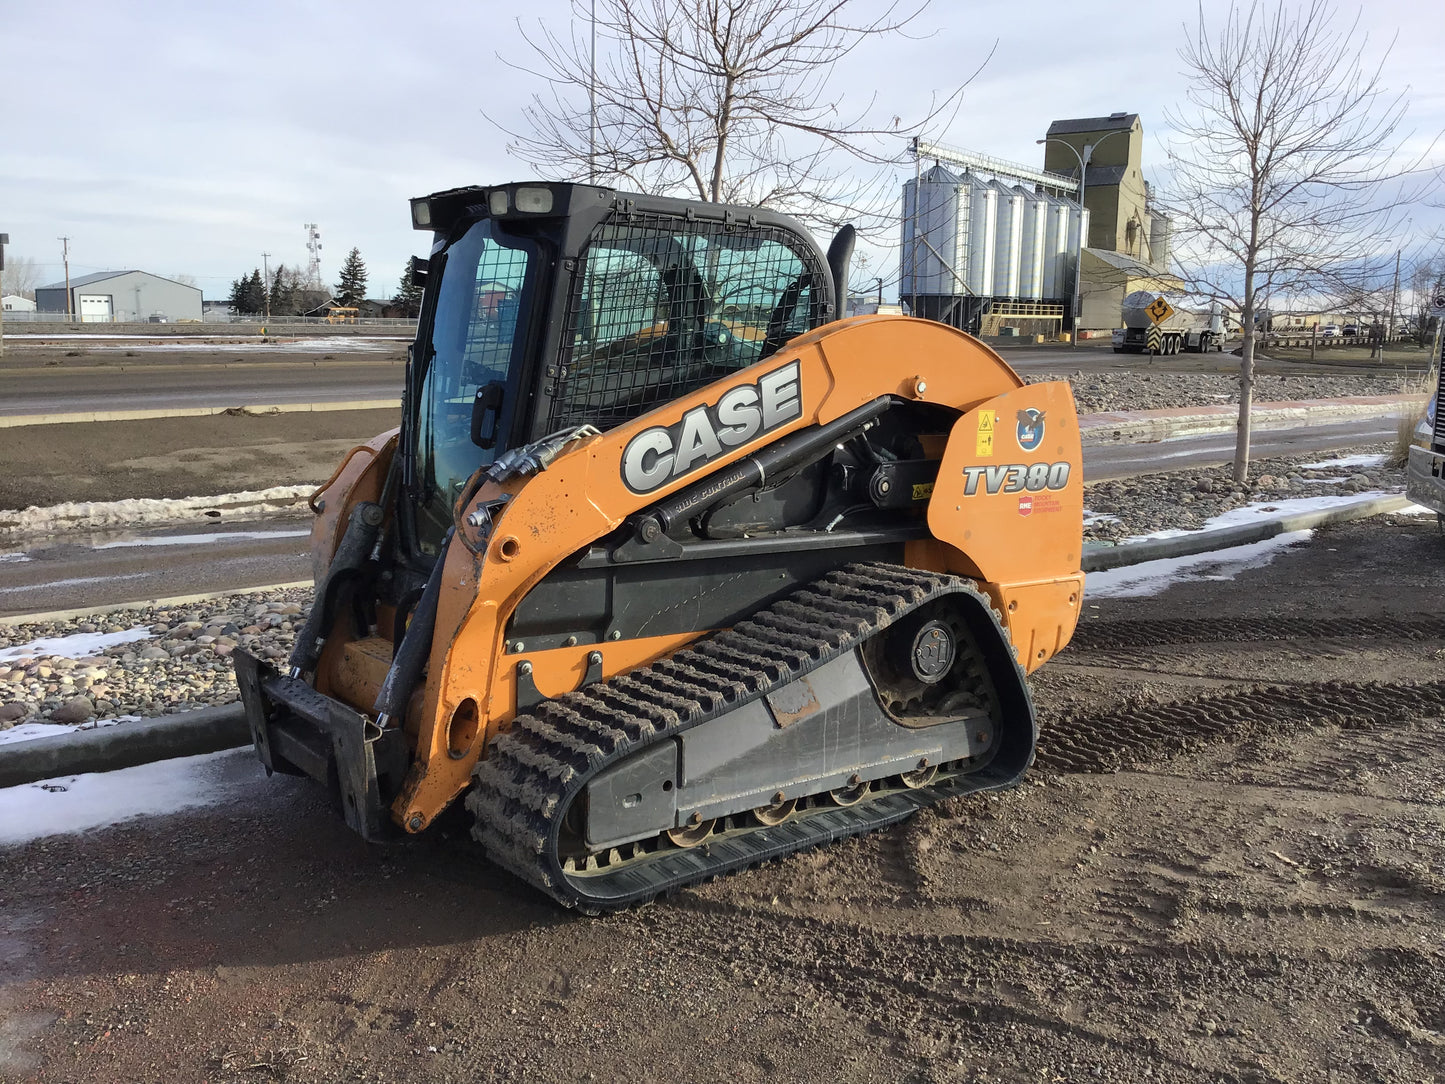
{"points": [[124, 745], [1148, 426], [1154, 549], [14, 421]]}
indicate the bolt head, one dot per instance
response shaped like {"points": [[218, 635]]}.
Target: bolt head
{"points": [[416, 822]]}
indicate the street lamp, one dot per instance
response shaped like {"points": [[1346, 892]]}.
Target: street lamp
{"points": [[1079, 264]]}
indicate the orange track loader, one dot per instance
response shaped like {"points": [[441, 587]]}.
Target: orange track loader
{"points": [[668, 570]]}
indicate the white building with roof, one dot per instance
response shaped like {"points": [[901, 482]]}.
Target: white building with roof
{"points": [[122, 296]]}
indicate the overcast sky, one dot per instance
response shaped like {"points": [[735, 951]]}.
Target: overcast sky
{"points": [[190, 137]]}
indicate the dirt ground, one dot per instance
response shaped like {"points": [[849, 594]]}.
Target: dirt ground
{"points": [[177, 457], [1228, 865]]}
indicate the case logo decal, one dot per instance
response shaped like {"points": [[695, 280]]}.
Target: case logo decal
{"points": [[1030, 431], [664, 453]]}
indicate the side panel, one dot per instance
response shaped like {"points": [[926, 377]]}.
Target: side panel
{"points": [[589, 490]]}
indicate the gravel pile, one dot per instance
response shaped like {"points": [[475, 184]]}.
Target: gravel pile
{"points": [[180, 664], [1095, 392]]}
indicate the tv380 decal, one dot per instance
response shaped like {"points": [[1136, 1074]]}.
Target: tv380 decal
{"points": [[1016, 478]]}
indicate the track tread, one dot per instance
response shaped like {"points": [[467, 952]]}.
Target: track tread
{"points": [[519, 798]]}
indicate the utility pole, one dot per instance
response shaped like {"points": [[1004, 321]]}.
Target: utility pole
{"points": [[266, 284], [4, 240], [65, 256], [592, 101]]}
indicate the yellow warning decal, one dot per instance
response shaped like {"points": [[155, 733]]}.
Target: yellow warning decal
{"points": [[986, 419], [922, 491]]}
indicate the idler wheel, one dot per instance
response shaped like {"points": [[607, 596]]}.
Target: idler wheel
{"points": [[690, 835], [852, 794], [777, 813]]}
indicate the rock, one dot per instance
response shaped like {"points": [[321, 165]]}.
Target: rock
{"points": [[75, 710], [1204, 485], [12, 713], [154, 653]]}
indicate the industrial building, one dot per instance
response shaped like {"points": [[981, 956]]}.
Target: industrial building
{"points": [[122, 296], [990, 245]]}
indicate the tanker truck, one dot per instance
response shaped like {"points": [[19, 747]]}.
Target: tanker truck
{"points": [[1181, 329]]}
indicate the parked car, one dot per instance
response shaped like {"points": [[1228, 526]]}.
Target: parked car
{"points": [[1330, 330], [1350, 329]]}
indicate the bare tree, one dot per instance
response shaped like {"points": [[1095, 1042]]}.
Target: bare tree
{"points": [[21, 276], [715, 100], [1279, 161]]}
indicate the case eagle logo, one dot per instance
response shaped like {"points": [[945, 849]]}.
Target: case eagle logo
{"points": [[664, 453], [1030, 431]]}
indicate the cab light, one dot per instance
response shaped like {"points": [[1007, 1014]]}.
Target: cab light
{"points": [[497, 202], [420, 214], [535, 200]]}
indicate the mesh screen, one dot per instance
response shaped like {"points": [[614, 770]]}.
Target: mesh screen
{"points": [[1439, 437], [662, 306]]}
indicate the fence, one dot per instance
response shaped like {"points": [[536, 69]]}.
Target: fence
{"points": [[210, 318]]}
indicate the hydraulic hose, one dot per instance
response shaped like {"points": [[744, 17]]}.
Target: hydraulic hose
{"points": [[411, 656]]}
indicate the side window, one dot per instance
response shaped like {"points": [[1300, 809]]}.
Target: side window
{"points": [[622, 298]]}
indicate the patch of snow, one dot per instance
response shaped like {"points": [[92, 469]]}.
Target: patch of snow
{"points": [[199, 539], [147, 510], [1346, 461], [78, 803], [28, 587], [74, 647], [13, 558], [1253, 513], [1414, 510], [30, 731], [1098, 517], [1152, 577]]}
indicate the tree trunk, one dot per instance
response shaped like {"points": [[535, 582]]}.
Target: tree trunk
{"points": [[1246, 380]]}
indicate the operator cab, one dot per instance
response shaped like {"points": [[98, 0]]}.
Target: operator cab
{"points": [[550, 306]]}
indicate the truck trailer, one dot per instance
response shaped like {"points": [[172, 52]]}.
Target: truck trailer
{"points": [[1181, 330]]}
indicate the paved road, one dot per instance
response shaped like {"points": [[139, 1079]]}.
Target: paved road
{"points": [[113, 567], [1102, 462], [222, 384], [103, 568]]}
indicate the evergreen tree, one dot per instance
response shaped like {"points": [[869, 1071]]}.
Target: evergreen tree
{"points": [[248, 295], [408, 294], [351, 289]]}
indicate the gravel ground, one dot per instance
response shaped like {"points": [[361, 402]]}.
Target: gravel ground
{"points": [[1256, 900], [1136, 390]]}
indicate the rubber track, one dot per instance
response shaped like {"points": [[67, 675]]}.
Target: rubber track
{"points": [[1107, 635], [1108, 742], [534, 771]]}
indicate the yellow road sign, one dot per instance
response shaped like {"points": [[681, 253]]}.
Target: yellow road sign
{"points": [[1160, 311]]}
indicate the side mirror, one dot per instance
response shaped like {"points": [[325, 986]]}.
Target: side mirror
{"points": [[486, 413], [419, 266]]}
